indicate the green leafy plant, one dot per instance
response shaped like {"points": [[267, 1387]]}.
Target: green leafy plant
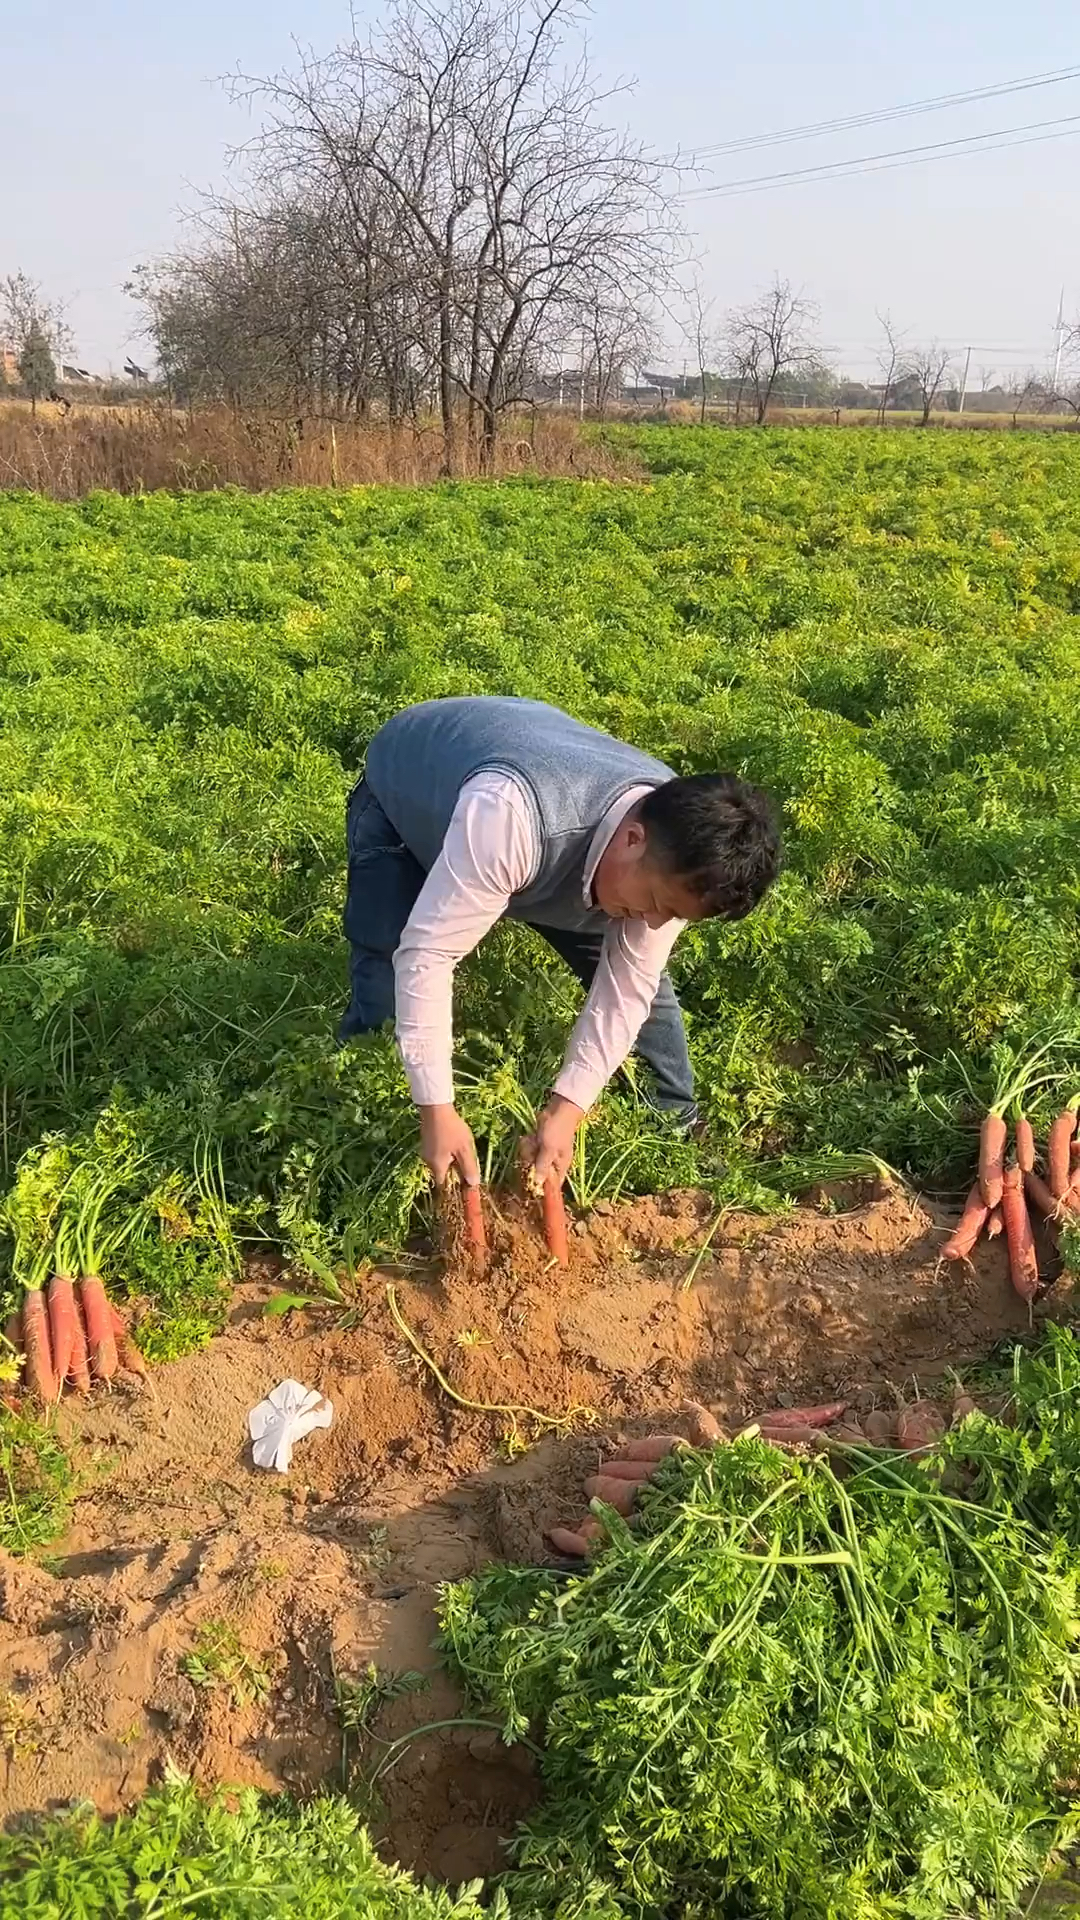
{"points": [[359, 1701], [219, 1659], [878, 628], [36, 1483], [813, 1687], [235, 1856]]}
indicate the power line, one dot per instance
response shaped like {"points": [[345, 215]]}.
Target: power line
{"points": [[990, 142], [935, 104]]}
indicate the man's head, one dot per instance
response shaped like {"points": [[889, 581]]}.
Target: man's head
{"points": [[705, 847]]}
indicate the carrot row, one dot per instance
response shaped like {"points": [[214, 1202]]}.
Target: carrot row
{"points": [[71, 1335]]}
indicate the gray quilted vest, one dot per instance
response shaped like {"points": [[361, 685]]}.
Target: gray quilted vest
{"points": [[570, 774]]}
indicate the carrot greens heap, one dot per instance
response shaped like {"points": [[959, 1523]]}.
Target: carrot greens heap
{"points": [[803, 1689]]}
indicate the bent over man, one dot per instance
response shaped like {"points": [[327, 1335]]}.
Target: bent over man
{"points": [[473, 808]]}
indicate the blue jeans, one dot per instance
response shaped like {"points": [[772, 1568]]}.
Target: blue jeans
{"points": [[383, 885]]}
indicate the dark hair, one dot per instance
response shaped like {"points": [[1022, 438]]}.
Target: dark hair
{"points": [[717, 834]]}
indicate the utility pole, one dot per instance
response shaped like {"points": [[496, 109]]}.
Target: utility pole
{"points": [[1060, 340], [964, 381], [581, 382]]}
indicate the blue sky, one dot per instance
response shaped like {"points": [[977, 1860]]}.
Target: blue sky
{"points": [[113, 122]]}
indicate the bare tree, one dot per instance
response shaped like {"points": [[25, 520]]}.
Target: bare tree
{"points": [[769, 341], [26, 313], [927, 368], [476, 207], [1062, 389], [616, 333], [697, 331], [1032, 392], [890, 363]]}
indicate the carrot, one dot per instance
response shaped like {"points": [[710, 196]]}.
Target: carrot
{"points": [[1041, 1197], [705, 1428], [655, 1446], [61, 1323], [972, 1221], [1023, 1266], [822, 1416], [995, 1226], [1025, 1144], [39, 1366], [633, 1470], [614, 1493], [569, 1541], [99, 1334], [475, 1231], [1057, 1151], [128, 1356], [790, 1436], [993, 1136], [79, 1366], [555, 1221]]}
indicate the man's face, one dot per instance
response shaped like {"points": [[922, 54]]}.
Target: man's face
{"points": [[630, 885]]}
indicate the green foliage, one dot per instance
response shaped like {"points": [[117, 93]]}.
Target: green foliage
{"points": [[795, 1694], [37, 368], [237, 1856], [219, 1659], [880, 627], [36, 1483]]}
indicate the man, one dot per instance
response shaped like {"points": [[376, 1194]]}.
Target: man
{"points": [[470, 809]]}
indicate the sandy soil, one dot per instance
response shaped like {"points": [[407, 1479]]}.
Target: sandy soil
{"points": [[335, 1567]]}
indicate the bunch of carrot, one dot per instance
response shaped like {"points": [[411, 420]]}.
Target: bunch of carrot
{"points": [[999, 1200], [69, 1334], [552, 1208]]}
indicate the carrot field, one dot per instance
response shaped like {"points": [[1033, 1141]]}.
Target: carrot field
{"points": [[880, 629]]}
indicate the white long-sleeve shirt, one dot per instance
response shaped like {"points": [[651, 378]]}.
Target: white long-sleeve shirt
{"points": [[491, 852]]}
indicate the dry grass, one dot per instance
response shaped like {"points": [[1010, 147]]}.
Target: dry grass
{"points": [[141, 448]]}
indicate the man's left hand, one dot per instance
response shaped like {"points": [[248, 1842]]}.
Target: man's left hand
{"points": [[550, 1150]]}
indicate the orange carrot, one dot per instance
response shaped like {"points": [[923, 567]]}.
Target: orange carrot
{"points": [[475, 1231], [99, 1334], [128, 1355], [822, 1416], [614, 1493], [1044, 1202], [79, 1364], [993, 1136], [555, 1221], [61, 1324], [1025, 1144], [1057, 1152], [39, 1367], [654, 1446], [1023, 1266], [995, 1226], [636, 1471], [971, 1223]]}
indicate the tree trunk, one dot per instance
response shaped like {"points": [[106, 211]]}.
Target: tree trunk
{"points": [[489, 436]]}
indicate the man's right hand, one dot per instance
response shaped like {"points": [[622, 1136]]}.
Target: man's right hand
{"points": [[445, 1142]]}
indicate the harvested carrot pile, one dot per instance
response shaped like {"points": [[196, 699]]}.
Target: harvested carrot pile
{"points": [[816, 1682], [1009, 1185]]}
